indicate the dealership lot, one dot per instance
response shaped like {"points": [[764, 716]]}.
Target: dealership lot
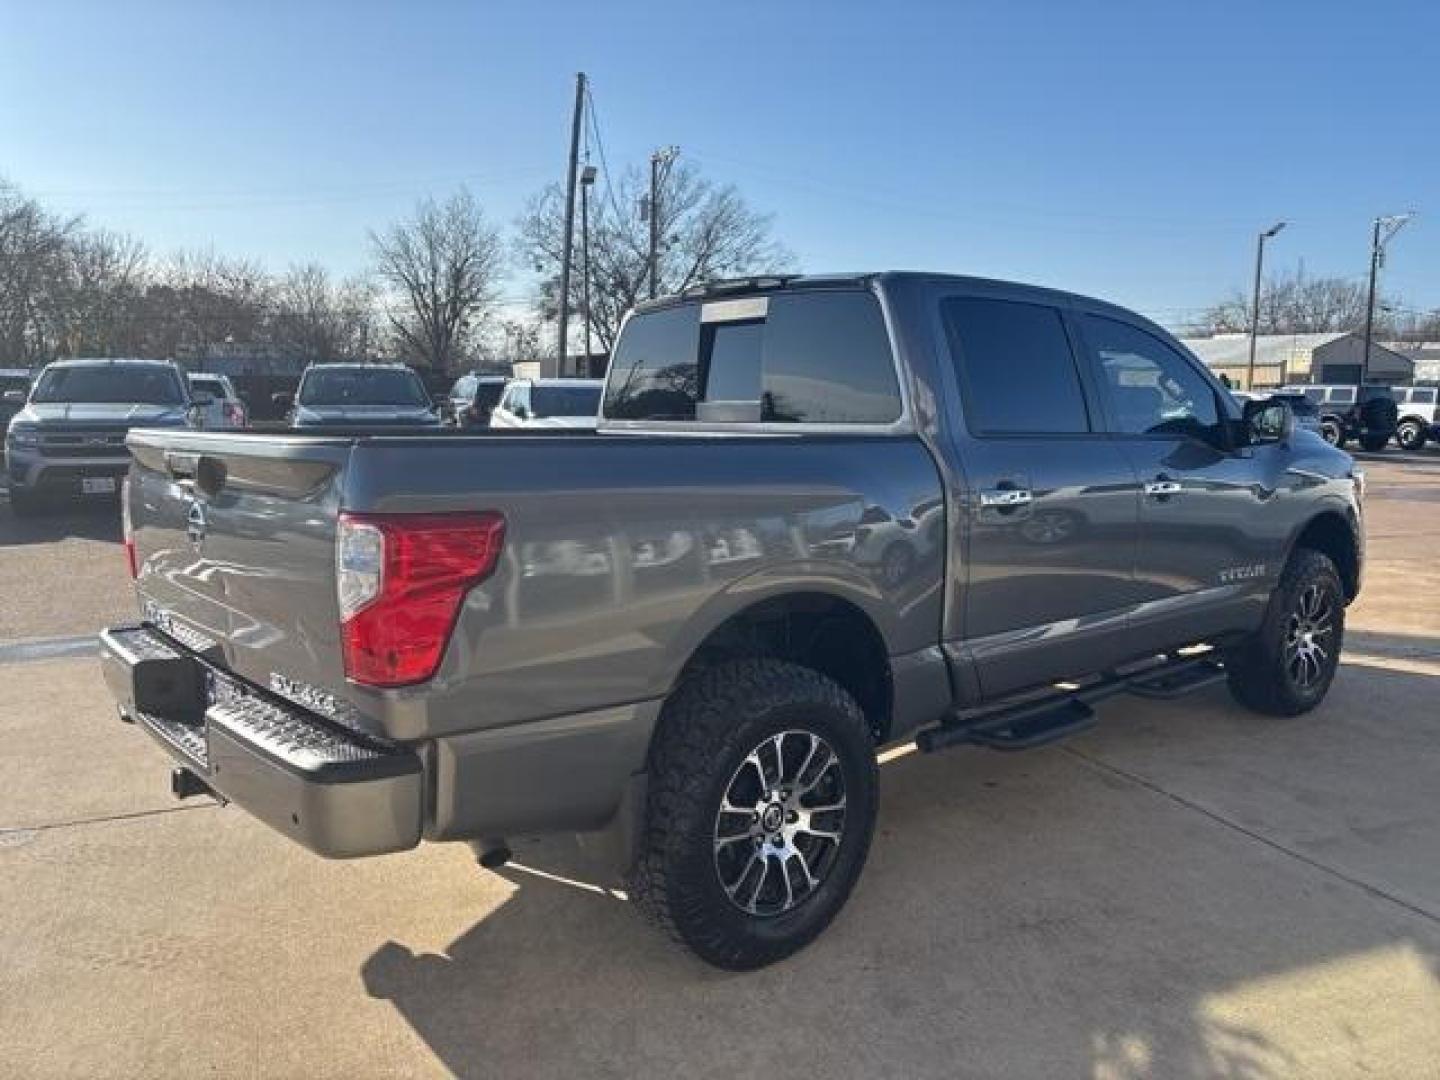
{"points": [[1189, 890]]}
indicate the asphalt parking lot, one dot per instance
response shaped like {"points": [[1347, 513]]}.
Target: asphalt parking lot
{"points": [[1190, 890]]}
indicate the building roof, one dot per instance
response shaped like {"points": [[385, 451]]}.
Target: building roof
{"points": [[1233, 350]]}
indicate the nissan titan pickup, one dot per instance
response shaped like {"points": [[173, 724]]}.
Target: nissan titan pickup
{"points": [[818, 517]]}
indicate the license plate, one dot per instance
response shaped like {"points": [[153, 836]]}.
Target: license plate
{"points": [[97, 485]]}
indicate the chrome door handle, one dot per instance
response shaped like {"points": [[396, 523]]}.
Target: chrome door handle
{"points": [[1158, 489], [1004, 498]]}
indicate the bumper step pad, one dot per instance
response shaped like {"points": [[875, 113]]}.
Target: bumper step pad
{"points": [[337, 792]]}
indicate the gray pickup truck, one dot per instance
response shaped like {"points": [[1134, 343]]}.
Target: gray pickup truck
{"points": [[820, 515]]}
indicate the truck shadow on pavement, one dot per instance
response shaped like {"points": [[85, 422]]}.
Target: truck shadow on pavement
{"points": [[1085, 910], [98, 520]]}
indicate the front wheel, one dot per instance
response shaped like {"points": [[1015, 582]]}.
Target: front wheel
{"points": [[1411, 435], [761, 805], [1285, 668], [1373, 442]]}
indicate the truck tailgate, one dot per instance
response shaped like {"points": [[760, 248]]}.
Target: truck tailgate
{"points": [[235, 548]]}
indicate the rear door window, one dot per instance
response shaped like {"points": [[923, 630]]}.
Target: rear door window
{"points": [[1016, 370]]}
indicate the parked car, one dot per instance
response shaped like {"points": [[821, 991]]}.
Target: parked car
{"points": [[1419, 408], [68, 440], [548, 403], [473, 397], [361, 395], [1366, 413], [690, 630], [220, 403], [14, 389]]}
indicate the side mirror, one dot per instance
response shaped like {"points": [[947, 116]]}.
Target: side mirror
{"points": [[15, 397], [1269, 420]]}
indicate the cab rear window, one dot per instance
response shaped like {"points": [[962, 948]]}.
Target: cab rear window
{"points": [[820, 357]]}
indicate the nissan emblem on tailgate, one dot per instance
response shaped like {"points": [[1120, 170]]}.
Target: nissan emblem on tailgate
{"points": [[196, 524]]}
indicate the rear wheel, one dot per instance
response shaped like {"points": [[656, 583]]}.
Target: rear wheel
{"points": [[1411, 435], [760, 810], [1285, 668], [1332, 432]]}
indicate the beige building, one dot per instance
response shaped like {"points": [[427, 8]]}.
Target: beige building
{"points": [[1299, 358]]}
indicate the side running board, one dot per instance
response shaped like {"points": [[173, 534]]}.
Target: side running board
{"points": [[1062, 713]]}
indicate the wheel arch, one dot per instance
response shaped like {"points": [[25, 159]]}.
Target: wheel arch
{"points": [[1334, 534], [819, 624]]}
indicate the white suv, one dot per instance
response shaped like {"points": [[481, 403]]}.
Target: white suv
{"points": [[1419, 415], [548, 403]]}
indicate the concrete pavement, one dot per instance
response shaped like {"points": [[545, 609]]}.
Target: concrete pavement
{"points": [[1189, 890]]}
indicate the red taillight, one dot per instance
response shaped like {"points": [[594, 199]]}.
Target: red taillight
{"points": [[127, 531], [400, 580], [234, 414]]}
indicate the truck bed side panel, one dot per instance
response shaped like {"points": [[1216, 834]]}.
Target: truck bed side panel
{"points": [[622, 552]]}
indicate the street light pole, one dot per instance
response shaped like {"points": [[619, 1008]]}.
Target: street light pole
{"points": [[1255, 302], [1384, 228]]}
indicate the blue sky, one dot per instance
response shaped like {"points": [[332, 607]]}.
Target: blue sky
{"points": [[1126, 150]]}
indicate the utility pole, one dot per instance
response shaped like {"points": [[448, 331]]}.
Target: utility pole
{"points": [[1255, 303], [587, 178], [1383, 230], [569, 222], [661, 159]]}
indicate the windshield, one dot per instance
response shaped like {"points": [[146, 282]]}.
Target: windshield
{"points": [[213, 387], [116, 383], [564, 401], [355, 386]]}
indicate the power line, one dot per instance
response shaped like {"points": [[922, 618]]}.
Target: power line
{"points": [[281, 197], [600, 148]]}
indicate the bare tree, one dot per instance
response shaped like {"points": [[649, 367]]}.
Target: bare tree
{"points": [[34, 273], [1299, 305], [318, 319], [443, 265], [199, 298], [707, 232], [105, 284]]}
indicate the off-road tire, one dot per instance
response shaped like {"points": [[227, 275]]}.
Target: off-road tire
{"points": [[1411, 435], [1259, 668], [707, 730], [1373, 442], [1333, 433]]}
